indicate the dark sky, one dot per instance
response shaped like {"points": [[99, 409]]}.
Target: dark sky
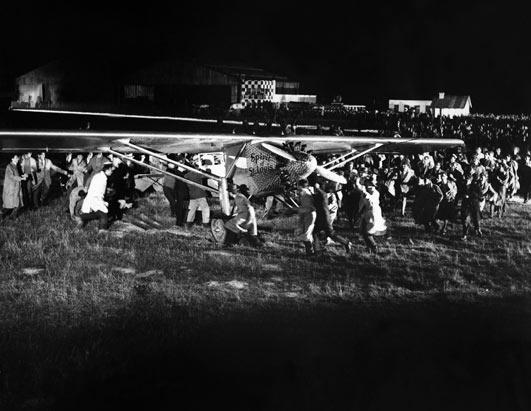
{"points": [[363, 51]]}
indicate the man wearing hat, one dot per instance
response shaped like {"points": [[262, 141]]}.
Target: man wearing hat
{"points": [[243, 221]]}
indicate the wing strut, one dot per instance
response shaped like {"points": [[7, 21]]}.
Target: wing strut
{"points": [[230, 171], [167, 160], [152, 167], [222, 181], [355, 156], [339, 158]]}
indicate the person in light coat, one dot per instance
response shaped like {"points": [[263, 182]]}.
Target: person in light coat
{"points": [[94, 206], [307, 215], [12, 199], [94, 165], [78, 166], [198, 200], [372, 222]]}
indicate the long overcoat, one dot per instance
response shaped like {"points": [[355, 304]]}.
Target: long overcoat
{"points": [[12, 192]]}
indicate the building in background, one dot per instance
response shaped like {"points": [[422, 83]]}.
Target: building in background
{"points": [[166, 86], [443, 104], [353, 108], [450, 106], [6, 90], [67, 84], [401, 106], [179, 86]]}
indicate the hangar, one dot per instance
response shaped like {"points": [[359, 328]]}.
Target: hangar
{"points": [[72, 83], [163, 87], [184, 84]]}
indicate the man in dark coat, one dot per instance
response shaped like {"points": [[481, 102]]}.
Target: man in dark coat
{"points": [[182, 197], [168, 187], [427, 200], [117, 190], [499, 179], [471, 207], [323, 222], [351, 200], [525, 178]]}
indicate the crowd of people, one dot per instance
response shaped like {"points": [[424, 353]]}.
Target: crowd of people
{"points": [[97, 186], [475, 129], [443, 187]]}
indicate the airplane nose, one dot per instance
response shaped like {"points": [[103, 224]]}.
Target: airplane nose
{"points": [[304, 165]]}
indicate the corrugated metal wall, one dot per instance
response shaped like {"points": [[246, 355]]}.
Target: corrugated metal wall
{"points": [[179, 73]]}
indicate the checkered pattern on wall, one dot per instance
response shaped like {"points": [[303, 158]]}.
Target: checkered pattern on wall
{"points": [[257, 91]]}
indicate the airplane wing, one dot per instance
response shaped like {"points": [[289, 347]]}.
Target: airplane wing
{"points": [[343, 144], [88, 115], [164, 142]]}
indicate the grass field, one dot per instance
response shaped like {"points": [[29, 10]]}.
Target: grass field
{"points": [[162, 317]]}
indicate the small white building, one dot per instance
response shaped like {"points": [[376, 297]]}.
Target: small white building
{"points": [[355, 107], [420, 106], [294, 98], [443, 104], [450, 106]]}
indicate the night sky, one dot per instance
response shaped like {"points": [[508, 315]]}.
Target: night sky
{"points": [[365, 52]]}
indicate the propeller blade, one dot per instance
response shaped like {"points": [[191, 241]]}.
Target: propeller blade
{"points": [[330, 175], [278, 151]]}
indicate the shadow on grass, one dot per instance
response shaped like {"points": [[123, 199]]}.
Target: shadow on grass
{"points": [[439, 354]]}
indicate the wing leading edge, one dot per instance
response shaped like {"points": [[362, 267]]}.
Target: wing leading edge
{"points": [[85, 141]]}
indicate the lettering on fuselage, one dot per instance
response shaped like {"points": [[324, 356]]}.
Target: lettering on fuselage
{"points": [[259, 162]]}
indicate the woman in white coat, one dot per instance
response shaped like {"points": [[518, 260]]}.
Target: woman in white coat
{"points": [[372, 222]]}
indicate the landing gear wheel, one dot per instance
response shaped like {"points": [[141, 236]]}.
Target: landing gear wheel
{"points": [[219, 232]]}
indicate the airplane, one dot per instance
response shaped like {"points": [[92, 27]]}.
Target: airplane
{"points": [[264, 164]]}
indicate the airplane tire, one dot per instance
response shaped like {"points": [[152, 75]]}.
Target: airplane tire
{"points": [[219, 232]]}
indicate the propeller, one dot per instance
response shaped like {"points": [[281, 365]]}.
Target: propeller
{"points": [[330, 175], [278, 151], [322, 171]]}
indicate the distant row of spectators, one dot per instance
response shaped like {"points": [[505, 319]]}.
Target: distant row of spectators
{"points": [[475, 129]]}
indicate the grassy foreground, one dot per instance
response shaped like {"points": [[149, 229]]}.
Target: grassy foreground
{"points": [[147, 316]]}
